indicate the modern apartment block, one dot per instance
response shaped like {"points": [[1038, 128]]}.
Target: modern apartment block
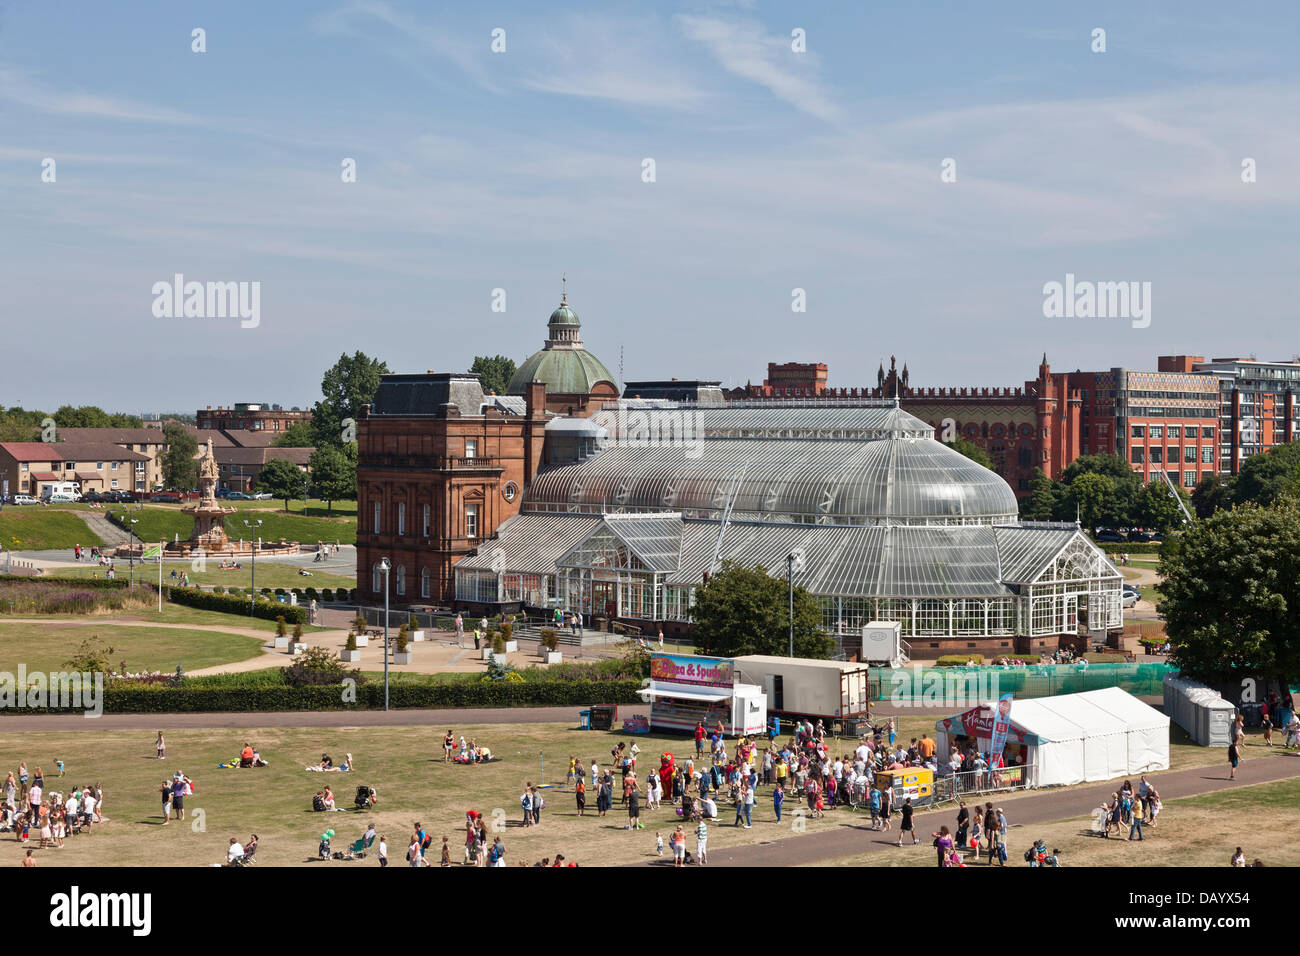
{"points": [[1257, 406]]}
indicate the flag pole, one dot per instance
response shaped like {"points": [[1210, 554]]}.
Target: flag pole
{"points": [[160, 557]]}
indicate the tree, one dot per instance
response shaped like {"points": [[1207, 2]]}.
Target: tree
{"points": [[1046, 498], [1157, 510], [17, 424], [347, 385], [1263, 479], [281, 478], [334, 477], [1090, 493], [92, 416], [1212, 493], [494, 372], [297, 435], [179, 468], [972, 451], [1119, 508], [1232, 594], [744, 611]]}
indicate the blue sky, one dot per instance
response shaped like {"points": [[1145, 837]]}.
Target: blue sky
{"points": [[775, 170]]}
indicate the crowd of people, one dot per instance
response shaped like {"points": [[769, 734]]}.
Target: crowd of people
{"points": [[30, 807]]}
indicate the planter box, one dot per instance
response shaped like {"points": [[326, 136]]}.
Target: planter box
{"points": [[512, 647], [553, 657], [282, 643], [416, 635], [500, 659], [486, 653], [352, 657], [297, 648], [363, 640], [402, 658]]}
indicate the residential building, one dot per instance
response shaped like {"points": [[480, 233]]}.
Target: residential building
{"points": [[1257, 407], [26, 467], [251, 416]]}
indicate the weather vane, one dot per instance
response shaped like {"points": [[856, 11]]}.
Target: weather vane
{"points": [[563, 293]]}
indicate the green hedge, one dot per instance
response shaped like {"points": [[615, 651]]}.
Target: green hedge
{"points": [[958, 660], [228, 604], [157, 699], [87, 584]]}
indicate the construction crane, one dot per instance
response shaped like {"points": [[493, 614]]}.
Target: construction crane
{"points": [[1187, 515]]}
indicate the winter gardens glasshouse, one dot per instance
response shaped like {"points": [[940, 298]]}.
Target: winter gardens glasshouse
{"points": [[626, 520]]}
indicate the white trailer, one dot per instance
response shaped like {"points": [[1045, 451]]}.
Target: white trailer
{"points": [[60, 490], [883, 644], [800, 687]]}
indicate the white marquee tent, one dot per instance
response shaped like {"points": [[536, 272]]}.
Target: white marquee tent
{"points": [[1074, 738]]}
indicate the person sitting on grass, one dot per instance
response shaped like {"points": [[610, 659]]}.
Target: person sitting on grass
{"points": [[234, 853]]}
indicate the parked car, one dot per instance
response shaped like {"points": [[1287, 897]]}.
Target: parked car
{"points": [[25, 500], [1129, 599], [164, 496], [262, 496], [223, 492], [238, 496], [59, 497], [90, 496], [1137, 534], [1106, 534]]}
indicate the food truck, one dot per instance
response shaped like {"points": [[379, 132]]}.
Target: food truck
{"points": [[685, 691]]}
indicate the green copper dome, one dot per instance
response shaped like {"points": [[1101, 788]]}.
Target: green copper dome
{"points": [[564, 316], [563, 364]]}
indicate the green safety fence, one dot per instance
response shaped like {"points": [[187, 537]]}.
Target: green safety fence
{"points": [[917, 685]]}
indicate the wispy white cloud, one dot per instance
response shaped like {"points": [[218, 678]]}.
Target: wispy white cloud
{"points": [[745, 49], [17, 87]]}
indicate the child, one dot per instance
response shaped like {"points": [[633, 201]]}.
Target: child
{"points": [[446, 853], [659, 843], [59, 764]]}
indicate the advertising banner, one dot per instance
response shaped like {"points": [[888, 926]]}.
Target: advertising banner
{"points": [[712, 672], [1001, 721]]}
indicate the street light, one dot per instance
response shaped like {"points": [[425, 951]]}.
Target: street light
{"points": [[252, 546], [130, 530], [794, 562], [385, 566]]}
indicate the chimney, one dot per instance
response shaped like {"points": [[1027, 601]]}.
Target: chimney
{"points": [[535, 399]]}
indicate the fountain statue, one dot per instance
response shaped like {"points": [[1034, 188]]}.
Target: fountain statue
{"points": [[209, 516]]}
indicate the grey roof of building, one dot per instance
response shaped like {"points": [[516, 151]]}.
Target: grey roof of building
{"points": [[428, 394], [903, 561], [531, 544]]}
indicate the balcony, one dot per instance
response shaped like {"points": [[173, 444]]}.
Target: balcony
{"points": [[444, 463]]}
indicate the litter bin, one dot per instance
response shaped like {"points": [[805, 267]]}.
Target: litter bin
{"points": [[584, 720], [776, 726]]}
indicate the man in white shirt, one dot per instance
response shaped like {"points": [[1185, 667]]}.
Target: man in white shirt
{"points": [[34, 796], [88, 807], [234, 852]]}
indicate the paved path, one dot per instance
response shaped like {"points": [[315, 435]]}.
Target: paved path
{"points": [[443, 719], [854, 836]]}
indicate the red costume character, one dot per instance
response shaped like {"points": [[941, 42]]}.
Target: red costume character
{"points": [[666, 770]]}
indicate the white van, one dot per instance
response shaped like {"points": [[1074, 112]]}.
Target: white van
{"points": [[60, 491]]}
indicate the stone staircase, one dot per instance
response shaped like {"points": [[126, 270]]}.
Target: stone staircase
{"points": [[588, 638], [109, 533]]}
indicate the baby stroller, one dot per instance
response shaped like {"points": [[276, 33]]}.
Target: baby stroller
{"points": [[365, 798]]}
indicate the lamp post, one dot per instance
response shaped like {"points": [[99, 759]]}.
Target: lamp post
{"points": [[130, 530], [385, 566], [794, 562], [252, 546]]}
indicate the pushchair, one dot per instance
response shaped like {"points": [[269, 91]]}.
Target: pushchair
{"points": [[323, 851], [365, 798]]}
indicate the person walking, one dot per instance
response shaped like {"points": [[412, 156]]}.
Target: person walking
{"points": [[778, 798], [906, 825], [702, 842], [460, 630], [634, 808], [383, 852], [963, 823], [1135, 826], [448, 745], [678, 842], [942, 845], [160, 746], [886, 807], [1233, 756], [747, 793]]}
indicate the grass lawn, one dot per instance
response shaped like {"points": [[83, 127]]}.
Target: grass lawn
{"points": [[166, 522], [1193, 831], [312, 508], [269, 575], [37, 528], [404, 764], [46, 647], [173, 614]]}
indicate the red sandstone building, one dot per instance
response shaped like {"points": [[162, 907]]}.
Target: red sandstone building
{"points": [[441, 465], [250, 416], [1158, 421]]}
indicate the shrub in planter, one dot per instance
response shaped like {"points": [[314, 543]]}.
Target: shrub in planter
{"points": [[280, 629], [401, 641], [297, 632], [506, 630], [498, 643], [351, 644], [550, 638]]}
